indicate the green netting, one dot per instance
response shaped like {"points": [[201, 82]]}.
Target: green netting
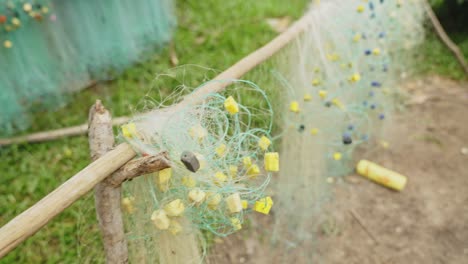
{"points": [[333, 89], [167, 211], [61, 46], [339, 82]]}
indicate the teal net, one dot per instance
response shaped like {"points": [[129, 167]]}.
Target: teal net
{"points": [[333, 90], [51, 48]]}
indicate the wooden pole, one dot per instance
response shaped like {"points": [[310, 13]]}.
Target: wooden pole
{"points": [[107, 197], [56, 134], [31, 220], [445, 38]]}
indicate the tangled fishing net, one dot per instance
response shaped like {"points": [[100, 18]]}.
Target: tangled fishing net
{"points": [[221, 164]]}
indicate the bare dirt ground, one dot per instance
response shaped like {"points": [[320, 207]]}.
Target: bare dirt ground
{"points": [[366, 223]]}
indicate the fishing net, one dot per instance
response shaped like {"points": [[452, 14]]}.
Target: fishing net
{"points": [[332, 90], [50, 48], [341, 80], [223, 160]]}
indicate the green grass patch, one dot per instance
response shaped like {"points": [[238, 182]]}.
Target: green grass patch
{"points": [[436, 58]]}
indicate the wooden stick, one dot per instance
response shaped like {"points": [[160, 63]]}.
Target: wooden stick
{"points": [[138, 167], [56, 134], [173, 55], [107, 197], [31, 220], [445, 38]]}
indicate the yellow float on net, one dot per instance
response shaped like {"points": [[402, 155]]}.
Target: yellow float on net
{"points": [[129, 130], [232, 171], [174, 227], [234, 203], [360, 8], [376, 51], [128, 204], [247, 161], [213, 199], [357, 37], [314, 131], [263, 205], [198, 132], [315, 82], [294, 107], [333, 57], [231, 105], [220, 150], [338, 103], [189, 181], [245, 204], [272, 161], [197, 196], [381, 175], [307, 97], [160, 219], [236, 223], [162, 179], [219, 178], [355, 77], [323, 94], [337, 156], [264, 143], [175, 208], [253, 171], [165, 175]]}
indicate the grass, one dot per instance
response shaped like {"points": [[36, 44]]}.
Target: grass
{"points": [[210, 33], [435, 58]]}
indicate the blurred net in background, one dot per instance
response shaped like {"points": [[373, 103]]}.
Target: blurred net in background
{"points": [[337, 86], [51, 48]]}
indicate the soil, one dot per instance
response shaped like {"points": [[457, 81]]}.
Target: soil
{"points": [[427, 222]]}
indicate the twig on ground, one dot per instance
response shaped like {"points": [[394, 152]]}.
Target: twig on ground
{"points": [[173, 55], [359, 221]]}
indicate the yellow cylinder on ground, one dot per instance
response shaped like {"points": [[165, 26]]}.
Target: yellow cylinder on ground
{"points": [[381, 175]]}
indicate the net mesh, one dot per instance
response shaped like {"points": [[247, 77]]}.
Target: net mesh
{"points": [[50, 48], [168, 210], [330, 91]]}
